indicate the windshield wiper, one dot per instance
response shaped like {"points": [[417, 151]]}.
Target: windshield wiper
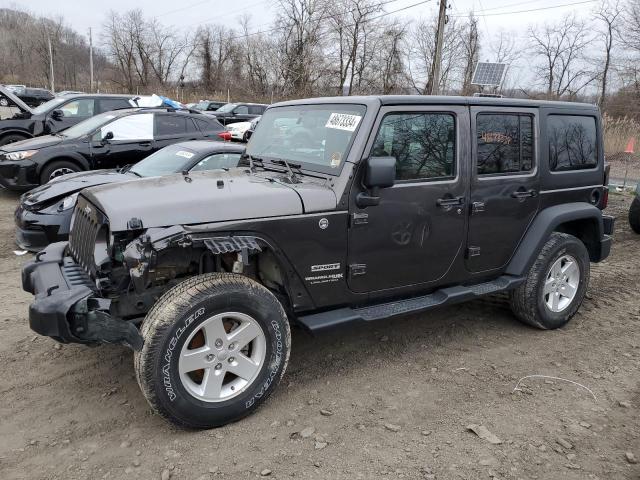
{"points": [[253, 160], [282, 161]]}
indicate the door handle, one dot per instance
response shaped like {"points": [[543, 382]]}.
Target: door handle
{"points": [[145, 144], [450, 202], [524, 193]]}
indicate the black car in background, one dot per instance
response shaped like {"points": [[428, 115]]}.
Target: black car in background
{"points": [[44, 214], [55, 115], [34, 96], [208, 105], [107, 140], [239, 112]]}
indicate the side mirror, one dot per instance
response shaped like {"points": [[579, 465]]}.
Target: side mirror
{"points": [[107, 136], [57, 114], [380, 172]]}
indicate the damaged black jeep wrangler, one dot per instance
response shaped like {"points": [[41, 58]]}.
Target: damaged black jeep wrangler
{"points": [[345, 210]]}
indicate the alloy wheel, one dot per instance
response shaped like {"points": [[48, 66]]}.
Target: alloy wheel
{"points": [[222, 357], [561, 284]]}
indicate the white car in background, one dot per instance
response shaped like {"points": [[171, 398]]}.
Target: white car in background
{"points": [[239, 130]]}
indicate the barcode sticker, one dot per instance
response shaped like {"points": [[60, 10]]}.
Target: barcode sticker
{"points": [[343, 121]]}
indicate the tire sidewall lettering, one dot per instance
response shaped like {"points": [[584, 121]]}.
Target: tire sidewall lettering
{"points": [[168, 354]]}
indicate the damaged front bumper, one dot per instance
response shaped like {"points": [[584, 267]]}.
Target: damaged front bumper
{"points": [[67, 306]]}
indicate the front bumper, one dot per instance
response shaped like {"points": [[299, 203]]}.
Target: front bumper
{"points": [[67, 306], [35, 230], [18, 175]]}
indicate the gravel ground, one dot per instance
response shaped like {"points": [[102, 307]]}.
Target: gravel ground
{"points": [[390, 401]]}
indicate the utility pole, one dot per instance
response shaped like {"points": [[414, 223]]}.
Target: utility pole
{"points": [[51, 63], [90, 62], [437, 58]]}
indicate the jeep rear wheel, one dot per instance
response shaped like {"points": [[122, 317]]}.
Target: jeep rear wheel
{"points": [[555, 285], [215, 347]]}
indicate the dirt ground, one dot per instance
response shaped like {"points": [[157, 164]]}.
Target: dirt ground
{"points": [[390, 401]]}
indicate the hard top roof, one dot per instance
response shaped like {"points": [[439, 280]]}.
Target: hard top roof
{"points": [[384, 100]]}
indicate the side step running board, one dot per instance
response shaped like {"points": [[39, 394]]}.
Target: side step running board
{"points": [[445, 296]]}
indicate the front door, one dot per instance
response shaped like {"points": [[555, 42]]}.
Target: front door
{"points": [[132, 141], [504, 186], [74, 111], [417, 231]]}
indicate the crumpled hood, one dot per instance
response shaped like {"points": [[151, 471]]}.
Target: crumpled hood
{"points": [[207, 197], [70, 184], [32, 143]]}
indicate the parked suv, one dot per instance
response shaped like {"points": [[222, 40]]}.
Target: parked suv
{"points": [[108, 140], [238, 112], [55, 115], [363, 208]]}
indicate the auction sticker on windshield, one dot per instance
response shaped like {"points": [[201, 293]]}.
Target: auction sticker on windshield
{"points": [[343, 121], [184, 154]]}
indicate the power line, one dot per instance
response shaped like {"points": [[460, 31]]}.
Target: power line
{"points": [[181, 9], [529, 10]]}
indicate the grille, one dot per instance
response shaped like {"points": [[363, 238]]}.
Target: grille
{"points": [[86, 224]]}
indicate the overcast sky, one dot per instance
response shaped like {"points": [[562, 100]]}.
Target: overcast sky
{"points": [[514, 16], [190, 13]]}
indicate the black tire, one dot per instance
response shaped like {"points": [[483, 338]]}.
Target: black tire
{"points": [[12, 138], [51, 167], [634, 215], [176, 316], [528, 300]]}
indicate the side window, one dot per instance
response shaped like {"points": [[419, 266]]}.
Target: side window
{"points": [[422, 143], [256, 110], [241, 110], [78, 108], [109, 104], [505, 143], [191, 126], [131, 127], [218, 160], [170, 125], [572, 142], [205, 126]]}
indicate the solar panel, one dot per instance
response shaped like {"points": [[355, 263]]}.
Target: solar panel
{"points": [[489, 74]]}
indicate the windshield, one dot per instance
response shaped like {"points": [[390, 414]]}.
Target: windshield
{"points": [[50, 105], [87, 126], [171, 159], [227, 107], [315, 136], [203, 105]]}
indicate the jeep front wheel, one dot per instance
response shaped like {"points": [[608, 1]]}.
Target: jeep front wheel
{"points": [[555, 285], [215, 347]]}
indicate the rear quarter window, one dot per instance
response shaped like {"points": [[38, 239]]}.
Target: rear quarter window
{"points": [[573, 142]]}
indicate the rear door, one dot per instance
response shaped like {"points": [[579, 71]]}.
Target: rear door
{"points": [[417, 231], [169, 129], [504, 185], [110, 104]]}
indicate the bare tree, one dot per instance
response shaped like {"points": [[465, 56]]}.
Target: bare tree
{"points": [[561, 48], [299, 26], [350, 26], [608, 16], [421, 49], [470, 45]]}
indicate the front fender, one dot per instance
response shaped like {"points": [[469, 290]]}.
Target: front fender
{"points": [[548, 221]]}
